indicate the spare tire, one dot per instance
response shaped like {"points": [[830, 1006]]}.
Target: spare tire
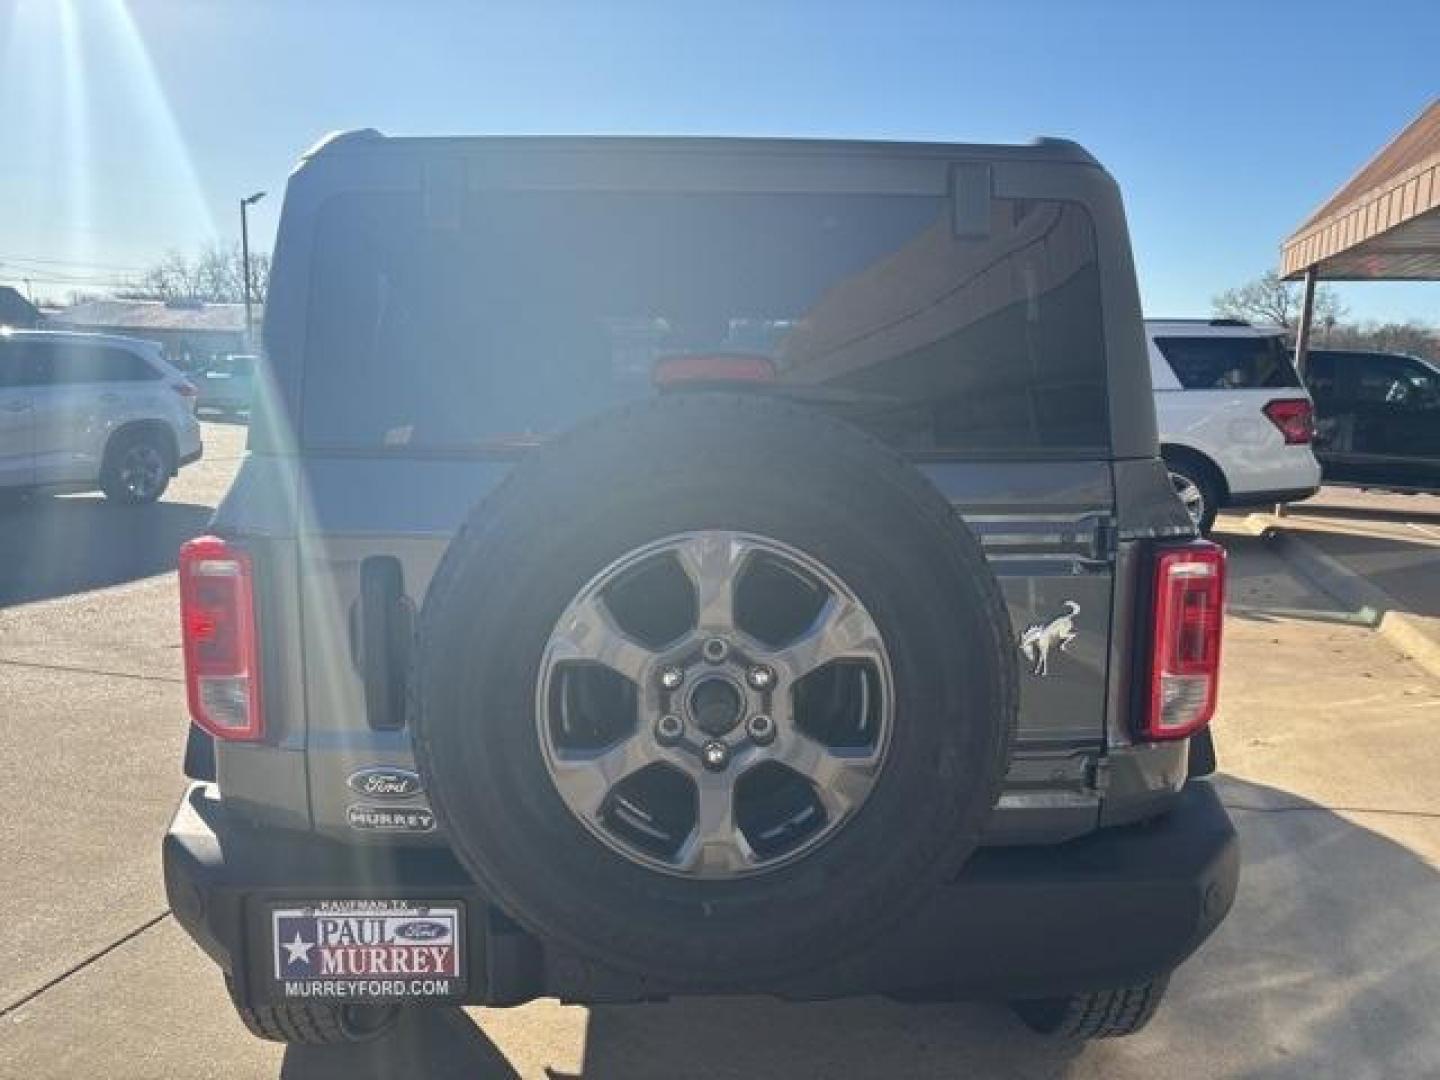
{"points": [[713, 689]]}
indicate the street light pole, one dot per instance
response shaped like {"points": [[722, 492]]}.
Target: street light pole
{"points": [[245, 205]]}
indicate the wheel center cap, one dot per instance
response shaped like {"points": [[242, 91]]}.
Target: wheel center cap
{"points": [[715, 706]]}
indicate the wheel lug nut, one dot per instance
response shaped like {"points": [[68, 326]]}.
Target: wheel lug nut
{"points": [[715, 755], [715, 649], [671, 678], [760, 728], [760, 677], [669, 728]]}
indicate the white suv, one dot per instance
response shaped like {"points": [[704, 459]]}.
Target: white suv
{"points": [[1235, 422], [86, 411]]}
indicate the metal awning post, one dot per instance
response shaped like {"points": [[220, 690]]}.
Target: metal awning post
{"points": [[1302, 339], [1307, 318]]}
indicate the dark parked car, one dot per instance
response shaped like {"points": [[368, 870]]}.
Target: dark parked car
{"points": [[693, 566], [1377, 418], [228, 385]]}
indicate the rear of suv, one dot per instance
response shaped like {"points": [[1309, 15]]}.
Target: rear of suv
{"points": [[675, 566], [85, 411], [1236, 423]]}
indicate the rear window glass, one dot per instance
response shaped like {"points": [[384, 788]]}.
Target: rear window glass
{"points": [[1229, 363], [39, 362], [98, 363], [528, 310]]}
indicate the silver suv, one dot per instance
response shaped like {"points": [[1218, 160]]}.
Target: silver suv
{"points": [[700, 566], [85, 411]]}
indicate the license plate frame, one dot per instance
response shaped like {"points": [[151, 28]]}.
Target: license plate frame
{"points": [[367, 949]]}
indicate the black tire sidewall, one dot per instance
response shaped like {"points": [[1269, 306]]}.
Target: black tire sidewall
{"points": [[854, 507]]}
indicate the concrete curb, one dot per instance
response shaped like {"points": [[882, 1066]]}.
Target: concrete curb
{"points": [[1418, 636]]}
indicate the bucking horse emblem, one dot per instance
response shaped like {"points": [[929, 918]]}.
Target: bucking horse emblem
{"points": [[1039, 638]]}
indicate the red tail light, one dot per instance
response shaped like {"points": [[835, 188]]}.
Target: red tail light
{"points": [[1295, 417], [187, 391], [1189, 611], [714, 368], [217, 615]]}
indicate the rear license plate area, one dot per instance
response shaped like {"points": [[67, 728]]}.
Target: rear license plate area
{"points": [[366, 950]]}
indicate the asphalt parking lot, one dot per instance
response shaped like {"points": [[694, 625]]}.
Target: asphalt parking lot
{"points": [[1328, 966]]}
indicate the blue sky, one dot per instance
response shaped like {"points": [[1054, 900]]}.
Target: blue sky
{"points": [[132, 128]]}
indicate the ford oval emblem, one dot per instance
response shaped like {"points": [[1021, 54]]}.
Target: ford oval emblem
{"points": [[421, 930], [385, 782]]}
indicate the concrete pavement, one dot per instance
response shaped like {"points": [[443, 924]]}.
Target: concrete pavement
{"points": [[1377, 553], [1328, 966], [1390, 540]]}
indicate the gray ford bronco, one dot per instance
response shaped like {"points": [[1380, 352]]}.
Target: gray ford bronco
{"points": [[698, 566]]}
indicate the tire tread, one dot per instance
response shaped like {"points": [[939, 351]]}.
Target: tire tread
{"points": [[310, 1024], [1096, 1014]]}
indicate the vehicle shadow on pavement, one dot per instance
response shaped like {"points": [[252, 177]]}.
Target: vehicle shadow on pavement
{"points": [[1408, 571], [52, 547], [427, 1044], [1264, 586], [1422, 509], [1329, 965], [859, 1037]]}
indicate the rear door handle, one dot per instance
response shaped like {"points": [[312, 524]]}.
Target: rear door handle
{"points": [[110, 399]]}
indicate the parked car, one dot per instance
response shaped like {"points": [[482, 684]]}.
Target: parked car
{"points": [[730, 566], [1378, 418], [228, 386], [85, 411], [1235, 422]]}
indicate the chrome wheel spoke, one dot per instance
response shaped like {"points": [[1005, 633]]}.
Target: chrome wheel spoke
{"points": [[588, 632]]}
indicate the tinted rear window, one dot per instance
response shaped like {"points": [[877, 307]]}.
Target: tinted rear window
{"points": [[41, 362], [1229, 363], [535, 308]]}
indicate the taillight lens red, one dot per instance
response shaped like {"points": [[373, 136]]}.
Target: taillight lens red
{"points": [[714, 368], [1189, 614], [1295, 417], [217, 617], [186, 390]]}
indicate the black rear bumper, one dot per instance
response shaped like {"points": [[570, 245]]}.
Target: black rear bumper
{"points": [[1112, 909]]}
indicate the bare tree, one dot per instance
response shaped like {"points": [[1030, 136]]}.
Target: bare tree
{"points": [[214, 275], [1411, 337], [1273, 302]]}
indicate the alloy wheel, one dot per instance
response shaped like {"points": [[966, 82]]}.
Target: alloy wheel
{"points": [[142, 471], [1191, 496], [715, 704]]}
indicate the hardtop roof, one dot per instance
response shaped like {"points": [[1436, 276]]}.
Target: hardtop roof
{"points": [[369, 140]]}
